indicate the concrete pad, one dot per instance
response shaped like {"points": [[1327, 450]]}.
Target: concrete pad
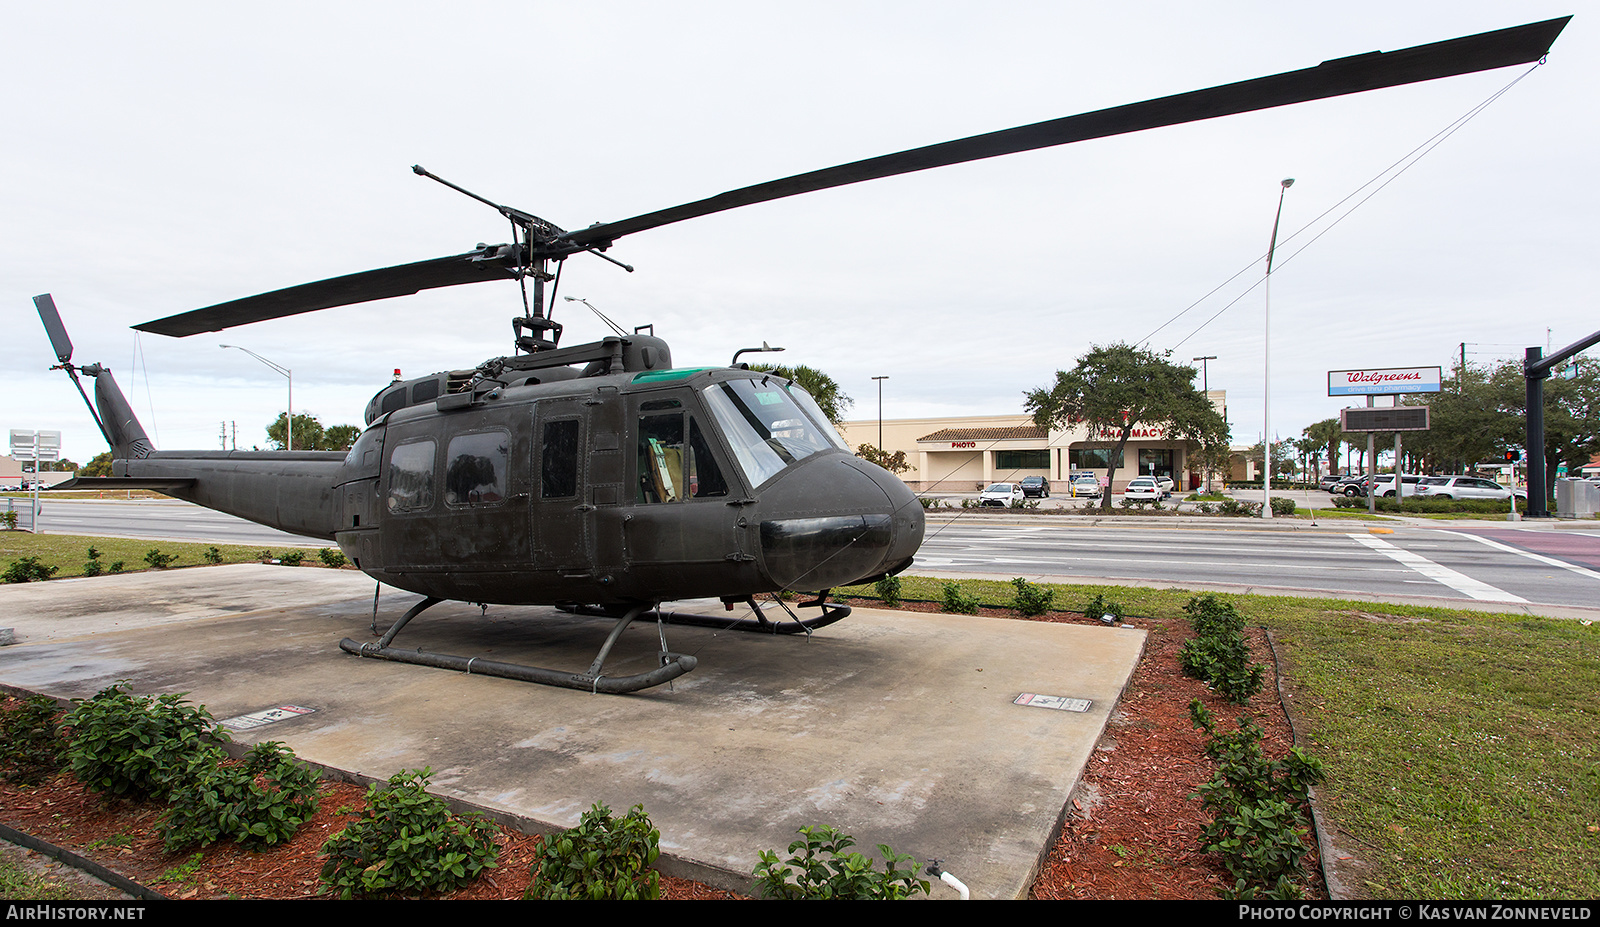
{"points": [[897, 728]]}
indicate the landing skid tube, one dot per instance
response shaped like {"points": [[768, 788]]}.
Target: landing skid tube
{"points": [[672, 665], [831, 612]]}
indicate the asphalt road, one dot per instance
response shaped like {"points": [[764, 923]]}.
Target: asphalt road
{"points": [[1509, 564], [159, 519], [1458, 561]]}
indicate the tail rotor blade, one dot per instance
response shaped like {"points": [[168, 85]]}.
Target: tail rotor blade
{"points": [[46, 305]]}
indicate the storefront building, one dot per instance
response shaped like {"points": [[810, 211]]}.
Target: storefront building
{"points": [[967, 454]]}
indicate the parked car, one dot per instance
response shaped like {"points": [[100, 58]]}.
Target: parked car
{"points": [[1143, 487], [1383, 485], [1085, 485], [1001, 494], [1036, 486], [1166, 484], [1464, 487], [1350, 486], [1326, 484]]}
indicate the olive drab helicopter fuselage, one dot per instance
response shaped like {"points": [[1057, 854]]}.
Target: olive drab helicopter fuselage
{"points": [[600, 478]]}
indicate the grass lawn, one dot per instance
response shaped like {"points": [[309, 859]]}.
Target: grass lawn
{"points": [[69, 554], [1462, 748]]}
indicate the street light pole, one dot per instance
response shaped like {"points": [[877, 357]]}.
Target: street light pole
{"points": [[880, 412], [1266, 410], [288, 434], [1205, 387]]}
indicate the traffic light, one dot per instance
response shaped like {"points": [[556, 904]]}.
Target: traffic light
{"points": [[1511, 456]]}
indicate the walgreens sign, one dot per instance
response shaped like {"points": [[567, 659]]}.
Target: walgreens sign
{"points": [[1383, 380]]}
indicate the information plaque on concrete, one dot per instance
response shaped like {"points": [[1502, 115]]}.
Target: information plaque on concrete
{"points": [[263, 718], [1058, 702]]}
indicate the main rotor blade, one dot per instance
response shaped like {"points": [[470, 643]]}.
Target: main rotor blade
{"points": [[493, 262], [1371, 71]]}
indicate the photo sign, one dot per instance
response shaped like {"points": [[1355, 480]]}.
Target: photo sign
{"points": [[1384, 380]]}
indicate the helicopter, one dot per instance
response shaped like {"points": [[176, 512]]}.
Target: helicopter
{"points": [[601, 478]]}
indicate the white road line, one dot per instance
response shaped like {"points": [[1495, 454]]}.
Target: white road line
{"points": [[1457, 581], [1581, 571]]}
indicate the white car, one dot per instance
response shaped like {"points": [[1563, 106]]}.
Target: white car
{"points": [[1143, 487], [1001, 494], [1383, 485], [1464, 487], [1166, 483], [1085, 486]]}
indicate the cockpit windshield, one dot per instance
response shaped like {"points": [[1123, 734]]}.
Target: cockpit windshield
{"points": [[769, 424]]}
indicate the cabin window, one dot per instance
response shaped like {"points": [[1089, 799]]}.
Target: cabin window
{"points": [[476, 472], [411, 477], [558, 464], [426, 391]]}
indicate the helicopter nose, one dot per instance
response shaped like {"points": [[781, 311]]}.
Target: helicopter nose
{"points": [[836, 520]]}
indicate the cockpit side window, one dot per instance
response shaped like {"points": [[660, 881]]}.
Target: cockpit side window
{"points": [[661, 457], [671, 468]]}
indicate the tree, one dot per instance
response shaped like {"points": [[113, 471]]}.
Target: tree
{"points": [[100, 465], [341, 437], [1117, 388], [894, 463], [1326, 435], [822, 388], [309, 435]]}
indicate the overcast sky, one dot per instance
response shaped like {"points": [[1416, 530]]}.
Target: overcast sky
{"points": [[161, 157]]}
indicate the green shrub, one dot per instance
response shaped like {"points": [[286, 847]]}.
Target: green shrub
{"points": [[30, 743], [819, 868], [158, 560], [406, 842], [1232, 506], [27, 570], [258, 803], [212, 555], [888, 590], [1217, 655], [957, 602], [1282, 505], [603, 858], [292, 558], [139, 746], [1031, 598], [8, 520], [93, 566], [1259, 820], [331, 558], [1100, 606]]}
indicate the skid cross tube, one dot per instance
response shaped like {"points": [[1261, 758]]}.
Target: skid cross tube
{"points": [[672, 665]]}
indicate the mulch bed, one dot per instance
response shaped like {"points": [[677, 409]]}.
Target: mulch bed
{"points": [[1133, 831]]}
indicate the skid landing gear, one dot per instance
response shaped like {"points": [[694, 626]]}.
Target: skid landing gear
{"points": [[672, 665], [831, 612]]}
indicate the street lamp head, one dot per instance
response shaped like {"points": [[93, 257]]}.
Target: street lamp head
{"points": [[1288, 182]]}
